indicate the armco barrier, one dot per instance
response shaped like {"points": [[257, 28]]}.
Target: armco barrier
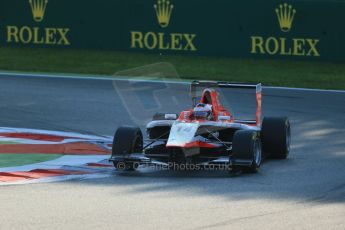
{"points": [[301, 29]]}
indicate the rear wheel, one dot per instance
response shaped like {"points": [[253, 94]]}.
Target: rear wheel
{"points": [[127, 140], [276, 137], [246, 148]]}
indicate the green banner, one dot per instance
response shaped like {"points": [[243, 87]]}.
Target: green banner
{"points": [[311, 30]]}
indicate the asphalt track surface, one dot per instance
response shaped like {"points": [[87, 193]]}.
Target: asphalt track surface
{"points": [[307, 191]]}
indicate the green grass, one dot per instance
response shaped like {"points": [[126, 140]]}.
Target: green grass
{"points": [[12, 160], [8, 143], [269, 72]]}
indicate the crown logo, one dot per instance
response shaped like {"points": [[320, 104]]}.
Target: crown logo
{"points": [[163, 11], [38, 8], [286, 16]]}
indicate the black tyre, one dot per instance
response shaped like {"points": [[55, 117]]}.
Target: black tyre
{"points": [[246, 146], [127, 140], [276, 137]]}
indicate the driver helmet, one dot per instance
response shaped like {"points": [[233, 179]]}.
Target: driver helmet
{"points": [[203, 111]]}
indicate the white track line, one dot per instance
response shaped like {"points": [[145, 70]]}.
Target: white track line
{"points": [[60, 179], [112, 78], [90, 77], [55, 133]]}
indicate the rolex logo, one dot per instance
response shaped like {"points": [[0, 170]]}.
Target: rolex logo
{"points": [[163, 11], [285, 14], [38, 8]]}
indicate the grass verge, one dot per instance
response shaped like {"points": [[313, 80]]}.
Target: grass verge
{"points": [[12, 160], [269, 72]]}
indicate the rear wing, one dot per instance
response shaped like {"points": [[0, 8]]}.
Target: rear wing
{"points": [[214, 84]]}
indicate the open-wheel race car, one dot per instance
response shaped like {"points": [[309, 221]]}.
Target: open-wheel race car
{"points": [[205, 135]]}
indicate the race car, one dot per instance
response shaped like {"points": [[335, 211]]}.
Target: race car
{"points": [[204, 135]]}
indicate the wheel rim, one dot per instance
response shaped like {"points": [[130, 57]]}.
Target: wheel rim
{"points": [[257, 153]]}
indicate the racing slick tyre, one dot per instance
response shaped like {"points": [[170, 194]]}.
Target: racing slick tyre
{"points": [[127, 140], [246, 149], [276, 137]]}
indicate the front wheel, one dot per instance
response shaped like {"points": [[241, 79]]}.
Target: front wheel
{"points": [[246, 148], [127, 140]]}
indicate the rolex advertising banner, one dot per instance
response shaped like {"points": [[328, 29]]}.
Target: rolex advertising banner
{"points": [[300, 29]]}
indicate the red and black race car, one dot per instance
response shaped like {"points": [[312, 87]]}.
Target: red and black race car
{"points": [[207, 134]]}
